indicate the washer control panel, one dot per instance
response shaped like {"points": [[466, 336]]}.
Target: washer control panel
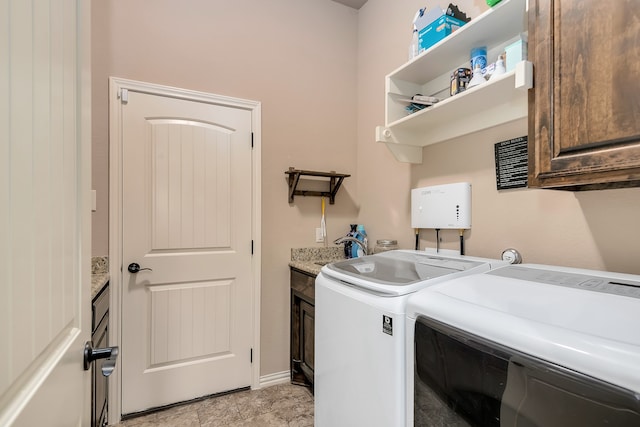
{"points": [[628, 288]]}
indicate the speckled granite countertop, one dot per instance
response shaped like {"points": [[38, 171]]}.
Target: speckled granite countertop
{"points": [[307, 259], [99, 274]]}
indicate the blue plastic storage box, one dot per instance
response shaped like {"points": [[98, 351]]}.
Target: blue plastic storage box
{"points": [[438, 30]]}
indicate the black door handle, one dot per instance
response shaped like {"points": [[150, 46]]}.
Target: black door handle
{"points": [[109, 353], [135, 267]]}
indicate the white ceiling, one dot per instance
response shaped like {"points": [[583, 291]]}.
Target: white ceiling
{"points": [[356, 4]]}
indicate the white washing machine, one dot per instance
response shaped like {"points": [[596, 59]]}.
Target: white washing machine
{"points": [[525, 345], [359, 370]]}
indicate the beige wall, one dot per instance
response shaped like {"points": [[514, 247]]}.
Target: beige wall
{"points": [[597, 229], [318, 68], [298, 58]]}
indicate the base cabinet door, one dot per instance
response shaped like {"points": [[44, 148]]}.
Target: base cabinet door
{"points": [[307, 337], [99, 382], [302, 328], [100, 339], [584, 113]]}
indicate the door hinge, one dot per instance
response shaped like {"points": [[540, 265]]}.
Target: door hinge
{"points": [[124, 95], [251, 356], [251, 139], [252, 247]]}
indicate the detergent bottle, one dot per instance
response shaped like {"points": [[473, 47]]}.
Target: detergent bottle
{"points": [[360, 234]]}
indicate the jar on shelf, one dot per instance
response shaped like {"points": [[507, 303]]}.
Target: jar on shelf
{"points": [[384, 245]]}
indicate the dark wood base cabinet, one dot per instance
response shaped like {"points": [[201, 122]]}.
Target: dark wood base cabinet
{"points": [[584, 108], [100, 339], [302, 327]]}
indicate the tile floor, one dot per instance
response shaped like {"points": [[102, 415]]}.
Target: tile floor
{"points": [[283, 405]]}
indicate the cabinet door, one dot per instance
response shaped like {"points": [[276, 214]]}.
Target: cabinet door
{"points": [[307, 326], [99, 383], [297, 376], [302, 339], [100, 338], [584, 110], [302, 327]]}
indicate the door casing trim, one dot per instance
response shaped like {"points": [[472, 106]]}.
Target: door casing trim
{"points": [[116, 84]]}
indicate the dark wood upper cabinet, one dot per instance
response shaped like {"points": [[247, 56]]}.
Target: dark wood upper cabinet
{"points": [[584, 109]]}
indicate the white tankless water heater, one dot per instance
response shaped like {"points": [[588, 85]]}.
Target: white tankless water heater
{"points": [[441, 206]]}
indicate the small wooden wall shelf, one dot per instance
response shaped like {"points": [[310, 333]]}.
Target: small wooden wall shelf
{"points": [[335, 181]]}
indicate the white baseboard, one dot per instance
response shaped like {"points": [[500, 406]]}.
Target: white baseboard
{"points": [[275, 379]]}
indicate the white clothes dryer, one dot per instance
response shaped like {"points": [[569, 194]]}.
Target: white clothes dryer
{"points": [[360, 332], [525, 345]]}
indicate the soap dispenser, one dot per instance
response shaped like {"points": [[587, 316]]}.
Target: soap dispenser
{"points": [[477, 78], [499, 70]]}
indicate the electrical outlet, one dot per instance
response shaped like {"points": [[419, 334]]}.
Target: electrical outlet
{"points": [[319, 236]]}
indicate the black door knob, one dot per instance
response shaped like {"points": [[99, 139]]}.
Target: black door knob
{"points": [[135, 267], [109, 353]]}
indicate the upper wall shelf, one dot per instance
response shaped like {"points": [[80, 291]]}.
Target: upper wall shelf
{"points": [[499, 101], [493, 27], [335, 180]]}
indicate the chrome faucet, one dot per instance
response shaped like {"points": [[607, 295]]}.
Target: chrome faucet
{"points": [[362, 246]]}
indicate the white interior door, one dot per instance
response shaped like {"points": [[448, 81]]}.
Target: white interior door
{"points": [[45, 212], [187, 321]]}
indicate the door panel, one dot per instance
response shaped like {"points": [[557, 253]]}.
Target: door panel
{"points": [[45, 212], [190, 185], [187, 321]]}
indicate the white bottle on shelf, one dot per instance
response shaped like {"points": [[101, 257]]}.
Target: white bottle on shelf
{"points": [[414, 46]]}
